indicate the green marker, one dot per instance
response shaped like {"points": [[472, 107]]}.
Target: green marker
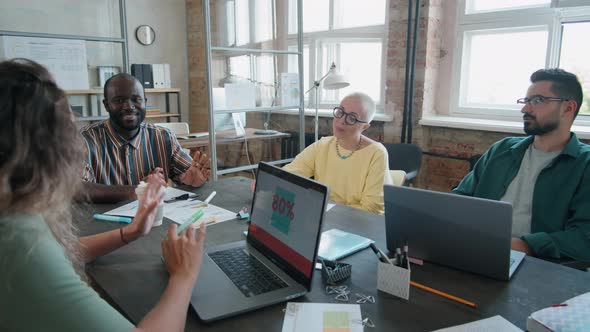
{"points": [[196, 216]]}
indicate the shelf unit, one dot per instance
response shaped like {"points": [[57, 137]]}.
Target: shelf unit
{"points": [[94, 97], [217, 51]]}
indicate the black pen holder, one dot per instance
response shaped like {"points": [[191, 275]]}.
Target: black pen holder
{"points": [[334, 272]]}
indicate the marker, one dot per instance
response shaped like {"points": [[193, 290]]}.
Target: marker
{"points": [[207, 200], [382, 257], [191, 220], [125, 220]]}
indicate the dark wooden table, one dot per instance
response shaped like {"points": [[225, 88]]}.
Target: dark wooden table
{"points": [[134, 277]]}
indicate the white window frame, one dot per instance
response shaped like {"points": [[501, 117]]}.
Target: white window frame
{"points": [[317, 69], [551, 17]]}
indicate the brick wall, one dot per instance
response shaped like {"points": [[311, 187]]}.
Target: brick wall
{"points": [[447, 151]]}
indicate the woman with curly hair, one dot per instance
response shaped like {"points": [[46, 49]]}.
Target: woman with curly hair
{"points": [[42, 284]]}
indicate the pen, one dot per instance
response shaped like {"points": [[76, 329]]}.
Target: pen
{"points": [[443, 294], [125, 220], [382, 257], [404, 262], [207, 200]]}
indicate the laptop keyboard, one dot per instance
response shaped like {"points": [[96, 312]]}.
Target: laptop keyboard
{"points": [[246, 272]]}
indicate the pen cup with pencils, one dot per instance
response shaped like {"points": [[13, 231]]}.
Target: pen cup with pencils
{"points": [[394, 279], [334, 272]]}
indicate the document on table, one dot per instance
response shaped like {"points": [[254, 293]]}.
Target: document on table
{"points": [[492, 324], [178, 211], [322, 317]]}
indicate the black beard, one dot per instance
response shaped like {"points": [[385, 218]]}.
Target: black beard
{"points": [[535, 129], [121, 124]]}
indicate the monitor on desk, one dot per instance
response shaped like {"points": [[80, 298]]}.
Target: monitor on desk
{"points": [[235, 122]]}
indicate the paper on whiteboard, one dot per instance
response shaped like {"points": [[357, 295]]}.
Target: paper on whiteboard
{"points": [[64, 58], [178, 211], [322, 317]]}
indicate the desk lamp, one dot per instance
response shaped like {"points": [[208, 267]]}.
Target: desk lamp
{"points": [[333, 80]]}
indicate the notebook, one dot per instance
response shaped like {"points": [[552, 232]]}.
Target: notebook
{"points": [[336, 244], [467, 233], [276, 261], [572, 315]]}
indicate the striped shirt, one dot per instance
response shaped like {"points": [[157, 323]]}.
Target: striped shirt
{"points": [[113, 160]]}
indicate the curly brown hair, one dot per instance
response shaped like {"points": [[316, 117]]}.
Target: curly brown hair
{"points": [[40, 150]]}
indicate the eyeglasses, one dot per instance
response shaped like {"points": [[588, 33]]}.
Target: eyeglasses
{"points": [[349, 118], [538, 99]]}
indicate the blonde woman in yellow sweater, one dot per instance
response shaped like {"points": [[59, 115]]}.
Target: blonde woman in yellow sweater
{"points": [[354, 166]]}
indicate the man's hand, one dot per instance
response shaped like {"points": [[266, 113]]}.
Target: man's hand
{"points": [[521, 245], [156, 176], [198, 172]]}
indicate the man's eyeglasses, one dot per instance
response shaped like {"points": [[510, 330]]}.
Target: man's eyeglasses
{"points": [[349, 118], [538, 99]]}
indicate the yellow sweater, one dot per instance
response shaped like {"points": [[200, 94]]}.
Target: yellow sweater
{"points": [[356, 181]]}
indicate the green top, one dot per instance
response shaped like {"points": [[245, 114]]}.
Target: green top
{"points": [[560, 220], [39, 289]]}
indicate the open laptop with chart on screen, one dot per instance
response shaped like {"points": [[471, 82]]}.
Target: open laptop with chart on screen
{"points": [[276, 261]]}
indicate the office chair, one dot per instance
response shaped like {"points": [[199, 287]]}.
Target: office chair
{"points": [[406, 157], [398, 177], [179, 129]]}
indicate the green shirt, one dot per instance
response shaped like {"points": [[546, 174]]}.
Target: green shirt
{"points": [[560, 219], [39, 289]]}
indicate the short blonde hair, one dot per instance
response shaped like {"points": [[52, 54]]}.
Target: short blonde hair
{"points": [[367, 102]]}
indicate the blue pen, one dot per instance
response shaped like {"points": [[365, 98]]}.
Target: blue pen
{"points": [[125, 220]]}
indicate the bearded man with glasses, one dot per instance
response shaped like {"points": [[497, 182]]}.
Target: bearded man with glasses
{"points": [[354, 166], [546, 175]]}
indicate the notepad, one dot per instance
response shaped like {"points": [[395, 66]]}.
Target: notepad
{"points": [[336, 244], [572, 315]]}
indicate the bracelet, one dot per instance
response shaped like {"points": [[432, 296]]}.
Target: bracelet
{"points": [[122, 238]]}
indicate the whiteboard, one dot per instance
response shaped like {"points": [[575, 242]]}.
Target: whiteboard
{"points": [[64, 58]]}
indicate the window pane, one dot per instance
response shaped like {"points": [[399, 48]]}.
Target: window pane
{"points": [[263, 23], [98, 18], [293, 66], [315, 15], [354, 13], [360, 63], [497, 66], [242, 22], [575, 52], [497, 5], [239, 66]]}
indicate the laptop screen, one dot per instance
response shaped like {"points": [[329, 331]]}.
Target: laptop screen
{"points": [[286, 217]]}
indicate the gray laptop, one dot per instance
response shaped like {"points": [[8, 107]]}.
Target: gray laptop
{"points": [[467, 233], [276, 261]]}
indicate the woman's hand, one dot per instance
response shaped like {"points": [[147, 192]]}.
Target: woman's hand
{"points": [[146, 212], [183, 253]]}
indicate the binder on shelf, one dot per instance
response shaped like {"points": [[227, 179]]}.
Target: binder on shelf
{"points": [[143, 73], [167, 81], [137, 72], [159, 78], [148, 76]]}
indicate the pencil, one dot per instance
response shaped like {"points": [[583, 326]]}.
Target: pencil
{"points": [[443, 294]]}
